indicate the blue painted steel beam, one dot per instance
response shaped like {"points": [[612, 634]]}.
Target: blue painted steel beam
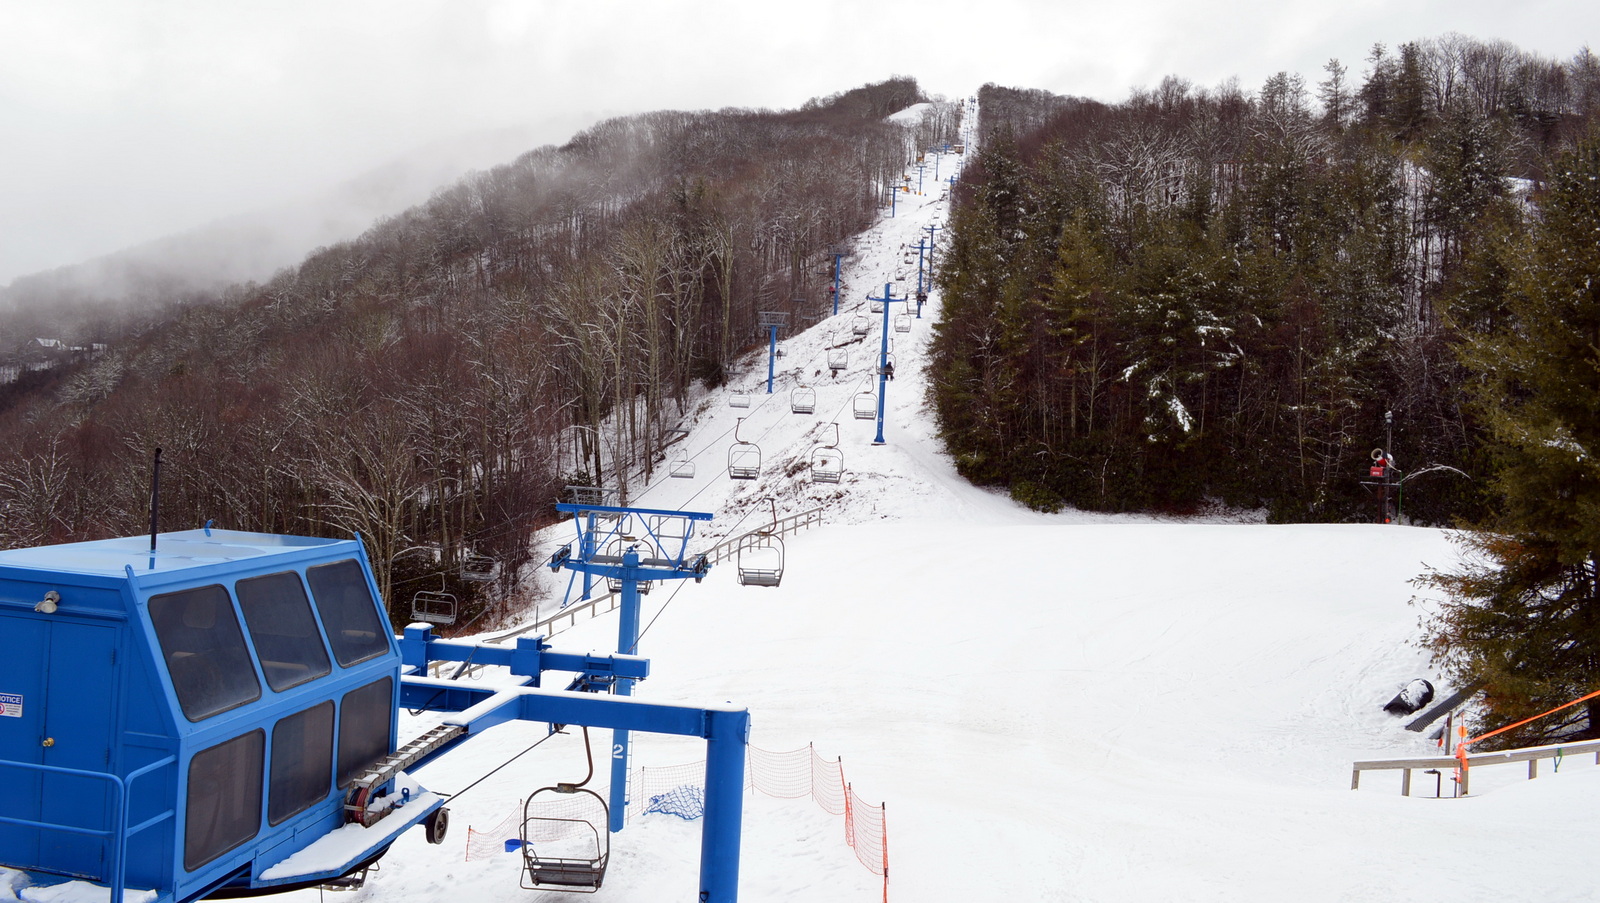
{"points": [[419, 646], [569, 508]]}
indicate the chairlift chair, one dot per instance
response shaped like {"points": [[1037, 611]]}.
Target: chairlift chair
{"points": [[761, 555], [683, 468], [434, 606], [744, 458], [803, 400], [739, 400], [838, 359], [865, 405], [567, 847], [902, 322], [859, 324], [827, 461], [615, 549], [478, 568], [876, 305]]}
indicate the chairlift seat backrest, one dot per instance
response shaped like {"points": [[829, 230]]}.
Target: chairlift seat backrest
{"points": [[865, 406], [433, 607], [738, 400], [744, 461], [478, 568], [827, 464], [568, 848], [803, 400], [761, 560]]}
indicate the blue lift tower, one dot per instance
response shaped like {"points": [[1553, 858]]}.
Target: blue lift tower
{"points": [[885, 372], [628, 547]]}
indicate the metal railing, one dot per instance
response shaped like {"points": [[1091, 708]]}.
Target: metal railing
{"points": [[790, 523], [119, 832], [728, 548], [1530, 754]]}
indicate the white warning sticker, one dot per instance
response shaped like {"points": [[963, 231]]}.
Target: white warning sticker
{"points": [[10, 705]]}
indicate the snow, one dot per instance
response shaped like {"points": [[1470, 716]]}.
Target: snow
{"points": [[337, 849], [1054, 707]]}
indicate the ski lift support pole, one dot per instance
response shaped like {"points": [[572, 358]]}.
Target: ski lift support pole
{"points": [[922, 245], [883, 352], [629, 568], [772, 321], [836, 257], [921, 167]]}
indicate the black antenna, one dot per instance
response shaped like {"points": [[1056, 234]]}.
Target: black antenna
{"points": [[155, 500]]}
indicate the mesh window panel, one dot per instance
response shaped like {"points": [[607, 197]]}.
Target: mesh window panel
{"points": [[283, 629], [224, 805], [302, 762], [204, 651], [356, 629], [364, 718]]}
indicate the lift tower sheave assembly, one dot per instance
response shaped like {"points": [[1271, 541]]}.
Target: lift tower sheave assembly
{"points": [[653, 545]]}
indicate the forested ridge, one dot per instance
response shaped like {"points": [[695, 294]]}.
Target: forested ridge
{"points": [[1217, 294], [434, 383], [1204, 295]]}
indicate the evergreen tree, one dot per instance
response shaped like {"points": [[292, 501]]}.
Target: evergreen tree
{"points": [[1522, 616]]}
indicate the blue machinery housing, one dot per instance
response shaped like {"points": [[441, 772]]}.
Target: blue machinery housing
{"points": [[188, 720]]}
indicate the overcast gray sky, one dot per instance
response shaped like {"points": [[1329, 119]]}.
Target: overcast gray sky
{"points": [[124, 121]]}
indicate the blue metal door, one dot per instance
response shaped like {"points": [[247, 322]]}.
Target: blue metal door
{"points": [[21, 732], [79, 719], [57, 707]]}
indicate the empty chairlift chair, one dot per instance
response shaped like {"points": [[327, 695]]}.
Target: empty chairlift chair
{"points": [[744, 458], [865, 405], [803, 400], [682, 468], [838, 358], [902, 322], [859, 324], [566, 840], [434, 606], [615, 549], [761, 555], [479, 568], [739, 400], [827, 461]]}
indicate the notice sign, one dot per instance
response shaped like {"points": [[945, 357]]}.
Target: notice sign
{"points": [[10, 705]]}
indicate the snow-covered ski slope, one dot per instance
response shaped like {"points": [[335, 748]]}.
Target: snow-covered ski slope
{"points": [[1067, 707], [1063, 707]]}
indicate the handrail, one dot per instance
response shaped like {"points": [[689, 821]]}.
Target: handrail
{"points": [[1530, 754], [119, 833]]}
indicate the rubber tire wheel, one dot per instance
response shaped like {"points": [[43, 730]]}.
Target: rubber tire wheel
{"points": [[437, 825]]}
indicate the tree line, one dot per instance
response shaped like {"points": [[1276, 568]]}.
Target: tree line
{"points": [[436, 382], [1204, 295]]}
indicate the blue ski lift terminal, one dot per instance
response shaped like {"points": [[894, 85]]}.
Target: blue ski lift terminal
{"points": [[216, 714]]}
